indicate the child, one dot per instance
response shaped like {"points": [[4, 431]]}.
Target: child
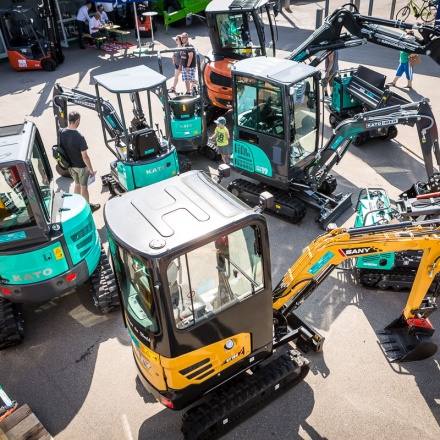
{"points": [[221, 135]]}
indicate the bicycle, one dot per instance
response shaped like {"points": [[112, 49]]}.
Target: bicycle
{"points": [[426, 12]]}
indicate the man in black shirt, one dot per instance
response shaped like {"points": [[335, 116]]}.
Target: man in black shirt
{"points": [[75, 146], [188, 63]]}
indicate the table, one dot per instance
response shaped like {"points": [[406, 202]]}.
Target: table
{"points": [[151, 14]]}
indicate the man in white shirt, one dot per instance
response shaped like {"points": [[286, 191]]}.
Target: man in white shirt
{"points": [[82, 18], [109, 8], [95, 25], [104, 16]]}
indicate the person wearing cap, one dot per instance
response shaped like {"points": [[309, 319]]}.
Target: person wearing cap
{"points": [[75, 146], [221, 135], [176, 59]]}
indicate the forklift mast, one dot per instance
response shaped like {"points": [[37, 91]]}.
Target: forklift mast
{"points": [[48, 14]]}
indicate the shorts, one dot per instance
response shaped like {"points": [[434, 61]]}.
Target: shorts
{"points": [[405, 67], [177, 66], [331, 79], [79, 175], [189, 75], [226, 150]]}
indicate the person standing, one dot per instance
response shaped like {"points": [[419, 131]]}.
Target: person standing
{"points": [[331, 70], [104, 17], [75, 146], [176, 59], [82, 19], [221, 135], [404, 66], [188, 63], [110, 11]]}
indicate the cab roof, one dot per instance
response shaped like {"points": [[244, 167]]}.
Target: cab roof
{"points": [[133, 79], [234, 5], [280, 70], [174, 214], [15, 142]]}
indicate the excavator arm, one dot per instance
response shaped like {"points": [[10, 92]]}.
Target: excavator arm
{"points": [[415, 113], [111, 120], [327, 251], [344, 28]]}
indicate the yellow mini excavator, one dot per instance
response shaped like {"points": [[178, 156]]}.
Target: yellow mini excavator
{"points": [[193, 267]]}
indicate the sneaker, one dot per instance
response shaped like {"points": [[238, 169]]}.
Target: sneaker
{"points": [[391, 84], [408, 87], [171, 90], [94, 207]]}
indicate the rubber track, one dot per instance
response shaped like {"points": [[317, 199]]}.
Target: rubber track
{"points": [[184, 163], [11, 324], [103, 286], [280, 197], [241, 394], [371, 278]]}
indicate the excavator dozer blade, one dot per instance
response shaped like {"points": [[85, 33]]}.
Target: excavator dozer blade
{"points": [[400, 343]]}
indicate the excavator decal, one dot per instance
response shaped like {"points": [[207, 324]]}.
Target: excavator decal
{"points": [[358, 251]]}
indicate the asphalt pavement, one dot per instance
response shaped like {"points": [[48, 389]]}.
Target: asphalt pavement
{"points": [[75, 368]]}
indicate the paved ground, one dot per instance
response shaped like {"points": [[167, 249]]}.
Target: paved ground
{"points": [[75, 368]]}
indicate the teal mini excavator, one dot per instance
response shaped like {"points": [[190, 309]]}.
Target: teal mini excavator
{"points": [[143, 153], [49, 244]]}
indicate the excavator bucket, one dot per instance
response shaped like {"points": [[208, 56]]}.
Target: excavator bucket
{"points": [[402, 343]]}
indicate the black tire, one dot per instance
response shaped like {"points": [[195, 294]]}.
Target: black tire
{"points": [[333, 120], [48, 64], [428, 13], [184, 164], [402, 14], [172, 6], [358, 140], [392, 133], [329, 185], [234, 190], [63, 173], [368, 279], [210, 153]]}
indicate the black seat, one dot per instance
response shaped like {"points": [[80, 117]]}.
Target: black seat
{"points": [[145, 144]]}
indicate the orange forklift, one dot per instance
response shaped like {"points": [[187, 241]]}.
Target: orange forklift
{"points": [[31, 38]]}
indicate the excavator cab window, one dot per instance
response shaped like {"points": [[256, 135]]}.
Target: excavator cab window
{"points": [[137, 291], [259, 105], [209, 279], [303, 119], [238, 34], [40, 169], [15, 211]]}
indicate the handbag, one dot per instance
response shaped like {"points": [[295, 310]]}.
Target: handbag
{"points": [[414, 59], [60, 155]]}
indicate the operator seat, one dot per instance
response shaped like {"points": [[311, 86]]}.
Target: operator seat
{"points": [[145, 144]]}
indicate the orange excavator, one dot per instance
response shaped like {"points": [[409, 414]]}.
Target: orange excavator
{"points": [[237, 31]]}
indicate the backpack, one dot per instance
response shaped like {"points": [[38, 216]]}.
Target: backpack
{"points": [[60, 155]]}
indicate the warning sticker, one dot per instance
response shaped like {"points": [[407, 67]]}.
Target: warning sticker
{"points": [[58, 252]]}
